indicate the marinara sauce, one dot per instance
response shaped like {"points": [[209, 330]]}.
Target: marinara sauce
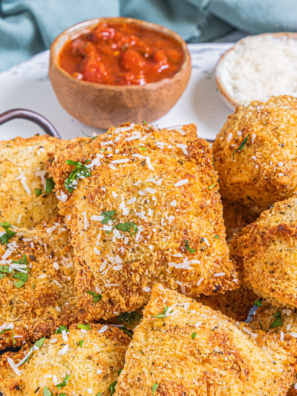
{"points": [[122, 54]]}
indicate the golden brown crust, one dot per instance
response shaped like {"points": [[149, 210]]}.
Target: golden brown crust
{"points": [[24, 162], [265, 170], [166, 217], [223, 358], [265, 250], [92, 367], [48, 298]]}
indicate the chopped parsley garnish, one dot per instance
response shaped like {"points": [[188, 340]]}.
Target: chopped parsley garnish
{"points": [[155, 386], [19, 283], [141, 352], [38, 344], [217, 237], [107, 216], [96, 297], [98, 394], [277, 321], [258, 303], [49, 185], [144, 122], [162, 314], [63, 383], [240, 148], [59, 330], [212, 186], [80, 171], [187, 246], [63, 394], [33, 286], [38, 191], [120, 370], [21, 276], [5, 269], [124, 330], [261, 325], [46, 392], [126, 227], [5, 330], [193, 335], [92, 138], [129, 317], [81, 343], [83, 326], [112, 387], [142, 148], [8, 233]]}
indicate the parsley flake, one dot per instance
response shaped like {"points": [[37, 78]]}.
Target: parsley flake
{"points": [[92, 138], [80, 171], [5, 330], [83, 326], [212, 186], [96, 297], [258, 303], [112, 387], [161, 315], [38, 344], [98, 394], [261, 326], [49, 185], [193, 335], [120, 370], [5, 269], [19, 284], [129, 317], [8, 233], [108, 215], [240, 148], [277, 321], [217, 237], [141, 352], [38, 191], [46, 391], [155, 386], [124, 330], [125, 227], [63, 383], [144, 122], [21, 276], [81, 343], [59, 330], [187, 246], [142, 148]]}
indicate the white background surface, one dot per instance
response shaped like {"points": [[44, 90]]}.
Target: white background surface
{"points": [[27, 86]]}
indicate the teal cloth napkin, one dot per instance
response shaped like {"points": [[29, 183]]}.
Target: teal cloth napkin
{"points": [[29, 26]]}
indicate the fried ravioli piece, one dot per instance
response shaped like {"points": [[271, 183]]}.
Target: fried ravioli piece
{"points": [[262, 139], [182, 347], [34, 308], [25, 194], [236, 303], [266, 253], [237, 216], [150, 211], [78, 362]]}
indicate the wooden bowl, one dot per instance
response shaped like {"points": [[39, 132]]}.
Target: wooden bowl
{"points": [[100, 105], [227, 98]]}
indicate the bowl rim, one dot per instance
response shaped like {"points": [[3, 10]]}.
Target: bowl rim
{"points": [[89, 23], [228, 99]]}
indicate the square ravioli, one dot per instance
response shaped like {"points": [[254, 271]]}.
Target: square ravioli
{"points": [[85, 361], [143, 207], [26, 196], [36, 283], [184, 348]]}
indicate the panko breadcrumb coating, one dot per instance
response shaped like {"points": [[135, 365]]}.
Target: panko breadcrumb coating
{"points": [[184, 348], [34, 308], [149, 212], [264, 169], [266, 253], [236, 303], [237, 216], [75, 362], [25, 197]]}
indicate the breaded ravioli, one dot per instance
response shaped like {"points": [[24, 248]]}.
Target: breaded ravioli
{"points": [[237, 216], [255, 152], [26, 196], [236, 303], [85, 361], [184, 348], [143, 207], [37, 291], [266, 253]]}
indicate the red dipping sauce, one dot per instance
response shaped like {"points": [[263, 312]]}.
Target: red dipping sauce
{"points": [[122, 54]]}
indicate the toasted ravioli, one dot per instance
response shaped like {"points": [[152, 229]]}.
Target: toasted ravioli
{"points": [[33, 308], [255, 152], [236, 303], [25, 197], [182, 347], [266, 253], [77, 362], [150, 211], [237, 216]]}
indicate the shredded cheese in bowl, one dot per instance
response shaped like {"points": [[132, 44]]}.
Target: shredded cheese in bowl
{"points": [[257, 68]]}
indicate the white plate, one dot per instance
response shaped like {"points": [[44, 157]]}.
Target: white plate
{"points": [[27, 86]]}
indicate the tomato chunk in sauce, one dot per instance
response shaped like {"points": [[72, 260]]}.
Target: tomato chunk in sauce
{"points": [[121, 54]]}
